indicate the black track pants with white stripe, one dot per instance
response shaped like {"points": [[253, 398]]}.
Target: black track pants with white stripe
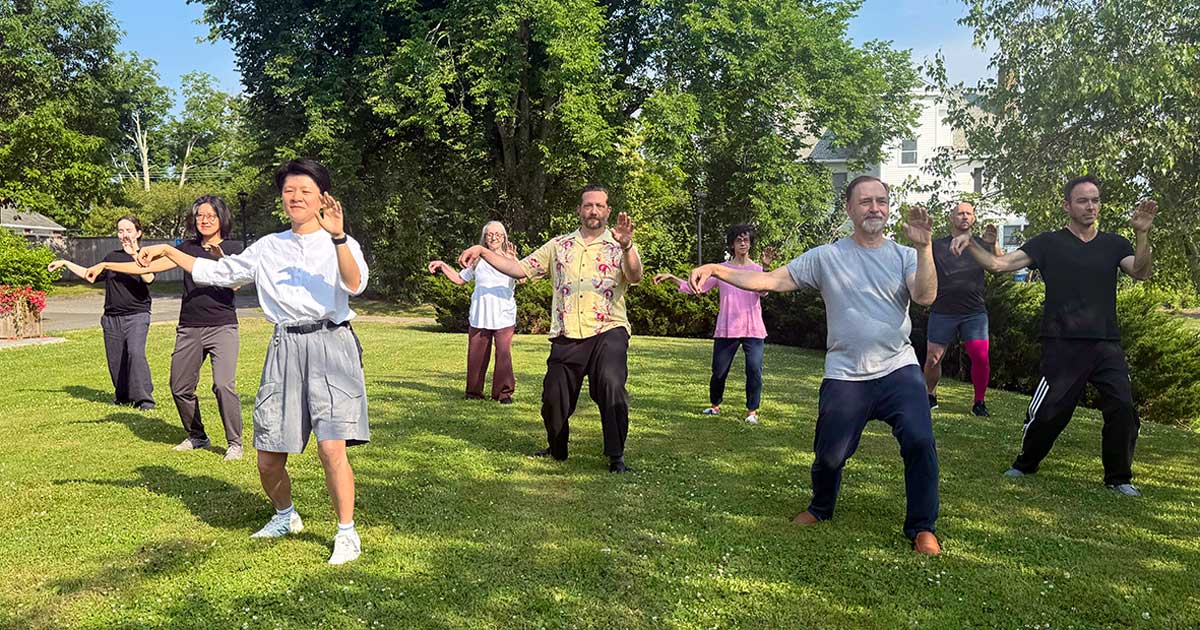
{"points": [[1067, 366]]}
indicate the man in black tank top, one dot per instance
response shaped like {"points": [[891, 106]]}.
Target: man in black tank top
{"points": [[1081, 342]]}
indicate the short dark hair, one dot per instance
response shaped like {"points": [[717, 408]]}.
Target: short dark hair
{"points": [[132, 219], [1075, 181], [862, 179], [304, 166], [592, 188], [735, 231], [218, 206]]}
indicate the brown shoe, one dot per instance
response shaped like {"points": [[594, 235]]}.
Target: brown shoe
{"points": [[806, 518], [926, 543]]}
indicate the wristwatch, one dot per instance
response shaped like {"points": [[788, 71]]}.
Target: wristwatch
{"points": [[340, 240]]}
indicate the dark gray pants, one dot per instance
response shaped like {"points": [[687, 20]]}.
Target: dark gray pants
{"points": [[192, 345], [125, 347]]}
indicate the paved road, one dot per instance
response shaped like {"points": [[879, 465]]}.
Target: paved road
{"points": [[83, 311]]}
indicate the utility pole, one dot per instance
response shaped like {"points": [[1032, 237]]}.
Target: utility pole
{"points": [[242, 204]]}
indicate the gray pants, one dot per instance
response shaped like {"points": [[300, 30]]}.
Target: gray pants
{"points": [[125, 347], [192, 345], [312, 384]]}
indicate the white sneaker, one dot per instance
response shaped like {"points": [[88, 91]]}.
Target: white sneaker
{"points": [[233, 453], [191, 445], [711, 411], [346, 548], [281, 525], [752, 418]]}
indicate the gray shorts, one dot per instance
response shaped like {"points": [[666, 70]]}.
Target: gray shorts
{"points": [[312, 382]]}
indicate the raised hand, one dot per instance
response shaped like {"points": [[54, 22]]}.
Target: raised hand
{"points": [[960, 244], [469, 256], [215, 250], [1143, 215], [94, 272], [700, 276], [768, 256], [990, 235], [919, 227], [663, 277], [623, 231], [436, 266], [56, 265], [510, 250], [331, 218], [146, 255]]}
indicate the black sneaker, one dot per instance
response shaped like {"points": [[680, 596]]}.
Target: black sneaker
{"points": [[932, 402], [617, 465], [980, 409]]}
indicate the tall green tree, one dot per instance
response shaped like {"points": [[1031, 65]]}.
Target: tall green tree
{"points": [[1106, 87], [204, 134]]}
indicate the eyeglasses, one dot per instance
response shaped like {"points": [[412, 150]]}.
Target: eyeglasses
{"points": [[208, 218]]}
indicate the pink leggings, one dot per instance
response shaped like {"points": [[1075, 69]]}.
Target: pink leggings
{"points": [[981, 367]]}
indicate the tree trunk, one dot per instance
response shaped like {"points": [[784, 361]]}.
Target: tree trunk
{"points": [[143, 146], [187, 155], [1192, 252]]}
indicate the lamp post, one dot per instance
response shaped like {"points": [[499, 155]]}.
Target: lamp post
{"points": [[242, 205], [699, 197]]}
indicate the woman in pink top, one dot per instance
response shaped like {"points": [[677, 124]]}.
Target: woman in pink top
{"points": [[739, 323]]}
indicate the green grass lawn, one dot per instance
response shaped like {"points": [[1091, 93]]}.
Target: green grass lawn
{"points": [[105, 527]]}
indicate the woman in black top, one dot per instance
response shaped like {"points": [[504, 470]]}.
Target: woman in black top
{"points": [[208, 326], [126, 319]]}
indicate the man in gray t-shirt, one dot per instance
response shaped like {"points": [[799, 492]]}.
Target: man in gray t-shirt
{"points": [[871, 371]]}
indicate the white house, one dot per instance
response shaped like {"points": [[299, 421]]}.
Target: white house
{"points": [[903, 169]]}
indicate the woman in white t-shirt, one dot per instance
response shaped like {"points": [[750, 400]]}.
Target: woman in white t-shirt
{"points": [[493, 315]]}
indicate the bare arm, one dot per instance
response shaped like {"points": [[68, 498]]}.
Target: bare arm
{"points": [[438, 265], [1141, 264], [148, 255], [779, 280], [922, 285], [1005, 263], [78, 270], [631, 265], [502, 263], [158, 266]]}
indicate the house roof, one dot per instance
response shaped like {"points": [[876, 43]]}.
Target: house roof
{"points": [[12, 217]]}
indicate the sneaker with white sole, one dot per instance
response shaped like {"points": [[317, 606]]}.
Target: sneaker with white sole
{"points": [[281, 525], [1126, 489], [752, 418], [233, 452], [346, 548], [192, 445], [712, 411], [1013, 472]]}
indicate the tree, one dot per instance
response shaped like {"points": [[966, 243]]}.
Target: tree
{"points": [[203, 133], [437, 116], [142, 106], [1094, 86]]}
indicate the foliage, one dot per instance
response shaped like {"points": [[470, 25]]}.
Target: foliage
{"points": [[1100, 87], [11, 297], [24, 265], [437, 117]]}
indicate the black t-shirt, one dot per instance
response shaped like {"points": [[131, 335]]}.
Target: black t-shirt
{"points": [[1081, 282], [206, 306], [124, 294], [960, 280]]}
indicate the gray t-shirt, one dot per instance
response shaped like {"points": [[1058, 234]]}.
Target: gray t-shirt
{"points": [[866, 305]]}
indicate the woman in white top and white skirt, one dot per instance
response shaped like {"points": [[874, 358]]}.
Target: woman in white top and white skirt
{"points": [[493, 316]]}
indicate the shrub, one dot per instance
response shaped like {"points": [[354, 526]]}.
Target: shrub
{"points": [[22, 265]]}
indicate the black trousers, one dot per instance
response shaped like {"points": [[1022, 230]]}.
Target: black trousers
{"points": [[125, 349], [1067, 366], [602, 358]]}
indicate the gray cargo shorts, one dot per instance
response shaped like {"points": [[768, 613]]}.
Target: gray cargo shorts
{"points": [[312, 382]]}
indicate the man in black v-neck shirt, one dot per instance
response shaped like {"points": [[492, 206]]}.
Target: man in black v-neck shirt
{"points": [[1081, 341]]}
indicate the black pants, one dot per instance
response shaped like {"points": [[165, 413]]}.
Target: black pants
{"points": [[125, 349], [602, 358], [1067, 366]]}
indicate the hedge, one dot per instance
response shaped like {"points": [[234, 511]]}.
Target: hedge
{"points": [[1163, 353]]}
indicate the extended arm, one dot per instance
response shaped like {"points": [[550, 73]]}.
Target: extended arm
{"points": [[502, 263], [133, 269], [1011, 261], [438, 265], [78, 270], [779, 280]]}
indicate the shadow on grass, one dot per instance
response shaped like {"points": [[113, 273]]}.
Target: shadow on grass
{"points": [[147, 428], [88, 393]]}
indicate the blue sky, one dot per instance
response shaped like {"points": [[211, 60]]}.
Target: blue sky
{"points": [[166, 31]]}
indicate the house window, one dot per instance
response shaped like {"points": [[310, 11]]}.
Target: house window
{"points": [[977, 177], [1011, 237], [908, 152]]}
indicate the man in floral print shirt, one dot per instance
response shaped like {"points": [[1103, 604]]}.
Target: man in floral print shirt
{"points": [[589, 335]]}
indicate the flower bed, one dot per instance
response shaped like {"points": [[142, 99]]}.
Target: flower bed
{"points": [[21, 312]]}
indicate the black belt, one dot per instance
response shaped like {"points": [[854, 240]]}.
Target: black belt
{"points": [[304, 329]]}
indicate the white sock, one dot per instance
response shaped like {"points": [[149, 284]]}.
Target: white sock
{"points": [[287, 510], [347, 528]]}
